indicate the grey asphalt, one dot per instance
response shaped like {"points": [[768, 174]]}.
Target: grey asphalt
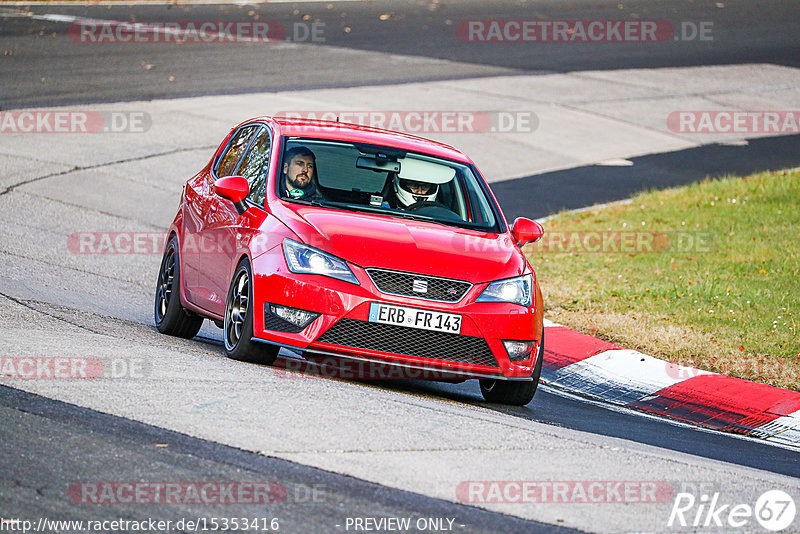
{"points": [[42, 66], [551, 192], [39, 472], [372, 449]]}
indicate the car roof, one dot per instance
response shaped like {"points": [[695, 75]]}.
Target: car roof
{"points": [[343, 131]]}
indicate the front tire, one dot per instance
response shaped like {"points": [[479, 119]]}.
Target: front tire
{"points": [[514, 393], [237, 328], [170, 316]]}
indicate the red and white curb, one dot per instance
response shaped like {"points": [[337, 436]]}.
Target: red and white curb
{"points": [[591, 367]]}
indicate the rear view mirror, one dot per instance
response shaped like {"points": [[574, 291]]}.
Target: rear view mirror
{"points": [[235, 189], [377, 164], [526, 231]]}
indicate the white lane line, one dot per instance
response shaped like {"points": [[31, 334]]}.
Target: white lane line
{"points": [[54, 17], [615, 162]]}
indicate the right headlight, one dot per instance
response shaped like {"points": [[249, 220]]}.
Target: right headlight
{"points": [[517, 290], [301, 258]]}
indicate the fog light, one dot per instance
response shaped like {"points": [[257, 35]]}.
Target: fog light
{"points": [[519, 350], [299, 318]]}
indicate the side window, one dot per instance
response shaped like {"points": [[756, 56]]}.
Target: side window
{"points": [[255, 166], [237, 146]]}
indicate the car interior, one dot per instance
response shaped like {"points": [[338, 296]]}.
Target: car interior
{"points": [[364, 175]]}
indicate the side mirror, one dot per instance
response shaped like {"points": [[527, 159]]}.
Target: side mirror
{"points": [[235, 189], [526, 231]]}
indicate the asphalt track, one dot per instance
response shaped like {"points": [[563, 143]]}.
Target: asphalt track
{"points": [[49, 444], [579, 187], [41, 65], [314, 500]]}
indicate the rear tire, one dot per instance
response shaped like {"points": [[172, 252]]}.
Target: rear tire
{"points": [[170, 316], [237, 329], [514, 393]]}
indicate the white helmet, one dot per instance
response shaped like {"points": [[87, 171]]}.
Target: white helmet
{"points": [[419, 180], [408, 191]]}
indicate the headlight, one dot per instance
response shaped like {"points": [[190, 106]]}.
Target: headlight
{"points": [[307, 260], [515, 290]]}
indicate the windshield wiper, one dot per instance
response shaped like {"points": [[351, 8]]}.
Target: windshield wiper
{"points": [[383, 211], [414, 216], [388, 211], [315, 202], [397, 213]]}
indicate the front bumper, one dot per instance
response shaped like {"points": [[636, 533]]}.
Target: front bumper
{"points": [[343, 329]]}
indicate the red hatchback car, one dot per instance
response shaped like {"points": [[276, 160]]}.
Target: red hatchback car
{"points": [[341, 240]]}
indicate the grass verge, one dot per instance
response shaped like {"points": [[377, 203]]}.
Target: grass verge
{"points": [[706, 275]]}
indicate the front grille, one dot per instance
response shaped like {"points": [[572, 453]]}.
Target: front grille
{"points": [[397, 283], [409, 342]]}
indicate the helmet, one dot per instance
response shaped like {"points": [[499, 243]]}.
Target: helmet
{"points": [[411, 191], [419, 180]]}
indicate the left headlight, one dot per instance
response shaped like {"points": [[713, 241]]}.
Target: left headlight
{"points": [[515, 290], [303, 259]]}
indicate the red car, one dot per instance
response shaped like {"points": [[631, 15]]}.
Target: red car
{"points": [[340, 240]]}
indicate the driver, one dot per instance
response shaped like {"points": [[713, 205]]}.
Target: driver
{"points": [[410, 192], [419, 181], [299, 174]]}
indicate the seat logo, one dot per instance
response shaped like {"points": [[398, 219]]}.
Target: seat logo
{"points": [[420, 286]]}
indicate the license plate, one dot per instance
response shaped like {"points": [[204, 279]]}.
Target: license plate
{"points": [[414, 318]]}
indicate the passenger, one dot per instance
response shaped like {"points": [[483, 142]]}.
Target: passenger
{"points": [[299, 174]]}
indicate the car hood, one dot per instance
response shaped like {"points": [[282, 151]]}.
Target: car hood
{"points": [[369, 240]]}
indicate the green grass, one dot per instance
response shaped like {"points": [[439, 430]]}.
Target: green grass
{"points": [[726, 303]]}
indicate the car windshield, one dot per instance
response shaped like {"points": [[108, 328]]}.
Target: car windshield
{"points": [[384, 180]]}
